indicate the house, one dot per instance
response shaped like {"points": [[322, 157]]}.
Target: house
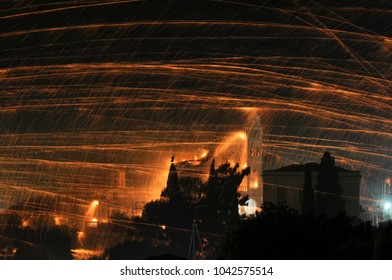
{"points": [[333, 188]]}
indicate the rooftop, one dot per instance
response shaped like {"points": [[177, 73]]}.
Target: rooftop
{"points": [[302, 167]]}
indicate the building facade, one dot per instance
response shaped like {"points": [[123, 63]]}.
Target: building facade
{"points": [[287, 184]]}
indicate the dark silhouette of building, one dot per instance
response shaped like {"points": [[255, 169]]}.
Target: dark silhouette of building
{"points": [[337, 189]]}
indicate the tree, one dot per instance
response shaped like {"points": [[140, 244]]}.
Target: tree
{"points": [[308, 194], [172, 190], [190, 188], [279, 232], [328, 177], [221, 194], [329, 200], [216, 207], [169, 213]]}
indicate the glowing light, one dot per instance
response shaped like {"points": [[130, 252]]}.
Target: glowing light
{"points": [[81, 235], [232, 149], [95, 202], [245, 165], [57, 221], [94, 220], [246, 109], [25, 223], [251, 208], [388, 181], [241, 135], [163, 227], [255, 185], [85, 254], [387, 205]]}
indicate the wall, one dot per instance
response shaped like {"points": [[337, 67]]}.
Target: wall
{"points": [[286, 186]]}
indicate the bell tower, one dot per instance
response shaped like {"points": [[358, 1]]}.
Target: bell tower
{"points": [[255, 161]]}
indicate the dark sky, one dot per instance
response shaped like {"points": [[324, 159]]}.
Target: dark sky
{"points": [[89, 88]]}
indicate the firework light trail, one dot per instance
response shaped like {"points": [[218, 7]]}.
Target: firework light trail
{"points": [[90, 89]]}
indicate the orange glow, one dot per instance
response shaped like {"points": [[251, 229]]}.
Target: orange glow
{"points": [[246, 109], [57, 221], [163, 227], [300, 100], [232, 149], [241, 135], [81, 235], [84, 254]]}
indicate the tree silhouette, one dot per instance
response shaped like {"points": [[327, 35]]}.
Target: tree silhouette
{"points": [[221, 194], [329, 200], [308, 194], [279, 232], [169, 219], [172, 190], [190, 188]]}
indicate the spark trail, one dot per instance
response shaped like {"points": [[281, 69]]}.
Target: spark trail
{"points": [[91, 90]]}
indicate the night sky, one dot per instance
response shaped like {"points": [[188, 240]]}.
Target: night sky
{"points": [[92, 88]]}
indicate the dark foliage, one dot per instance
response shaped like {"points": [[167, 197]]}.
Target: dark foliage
{"points": [[308, 194], [221, 196], [329, 191], [132, 249], [279, 232]]}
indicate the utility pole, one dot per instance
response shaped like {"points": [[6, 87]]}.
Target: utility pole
{"points": [[195, 235]]}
